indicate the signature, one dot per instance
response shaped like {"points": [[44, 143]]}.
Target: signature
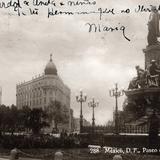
{"points": [[92, 27]]}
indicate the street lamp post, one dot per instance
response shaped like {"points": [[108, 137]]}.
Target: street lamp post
{"points": [[116, 93], [93, 104], [81, 99]]}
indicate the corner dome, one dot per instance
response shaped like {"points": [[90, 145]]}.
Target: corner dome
{"points": [[50, 68]]}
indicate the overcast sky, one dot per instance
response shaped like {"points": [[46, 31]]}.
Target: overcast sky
{"points": [[89, 61]]}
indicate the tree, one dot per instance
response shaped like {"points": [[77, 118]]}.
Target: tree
{"points": [[8, 118], [37, 120], [12, 119], [23, 118], [58, 113], [3, 111]]}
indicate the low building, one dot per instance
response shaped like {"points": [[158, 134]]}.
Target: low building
{"points": [[76, 126]]}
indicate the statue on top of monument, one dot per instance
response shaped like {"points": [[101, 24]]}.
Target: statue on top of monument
{"points": [[153, 27]]}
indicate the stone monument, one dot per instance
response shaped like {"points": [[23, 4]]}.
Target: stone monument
{"points": [[144, 90]]}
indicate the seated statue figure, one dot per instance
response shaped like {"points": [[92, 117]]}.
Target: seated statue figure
{"points": [[154, 74], [140, 81], [141, 77], [133, 84], [139, 71]]}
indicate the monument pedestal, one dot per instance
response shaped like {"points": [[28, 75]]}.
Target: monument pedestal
{"points": [[152, 53], [153, 131], [144, 90], [148, 97]]}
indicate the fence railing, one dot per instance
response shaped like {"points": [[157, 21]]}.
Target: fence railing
{"points": [[111, 129]]}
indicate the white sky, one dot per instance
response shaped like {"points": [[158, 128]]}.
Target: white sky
{"points": [[91, 61]]}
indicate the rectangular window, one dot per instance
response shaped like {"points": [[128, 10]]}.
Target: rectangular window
{"points": [[50, 99], [40, 101], [44, 100]]}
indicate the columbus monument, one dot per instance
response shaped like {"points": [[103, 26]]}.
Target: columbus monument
{"points": [[143, 93]]}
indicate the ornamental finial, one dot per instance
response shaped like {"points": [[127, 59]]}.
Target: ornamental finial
{"points": [[50, 57]]}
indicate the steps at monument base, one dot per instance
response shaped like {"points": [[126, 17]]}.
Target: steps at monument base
{"points": [[142, 91]]}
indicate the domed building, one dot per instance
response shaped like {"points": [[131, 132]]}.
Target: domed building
{"points": [[50, 68], [43, 89]]}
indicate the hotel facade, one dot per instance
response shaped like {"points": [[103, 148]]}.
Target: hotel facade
{"points": [[40, 91]]}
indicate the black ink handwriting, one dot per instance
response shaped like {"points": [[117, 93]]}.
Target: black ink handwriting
{"points": [[92, 27], [105, 11], [52, 12], [33, 11], [80, 3], [15, 4], [142, 8], [43, 2]]}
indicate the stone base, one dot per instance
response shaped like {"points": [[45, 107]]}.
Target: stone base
{"points": [[142, 92], [152, 52]]}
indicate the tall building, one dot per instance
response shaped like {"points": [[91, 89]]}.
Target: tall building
{"points": [[0, 95], [40, 91]]}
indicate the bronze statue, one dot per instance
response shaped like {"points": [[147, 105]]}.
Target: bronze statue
{"points": [[133, 84], [153, 26], [154, 74], [141, 77], [146, 78], [139, 81]]}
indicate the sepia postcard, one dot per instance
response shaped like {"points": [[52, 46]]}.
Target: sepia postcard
{"points": [[80, 79]]}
